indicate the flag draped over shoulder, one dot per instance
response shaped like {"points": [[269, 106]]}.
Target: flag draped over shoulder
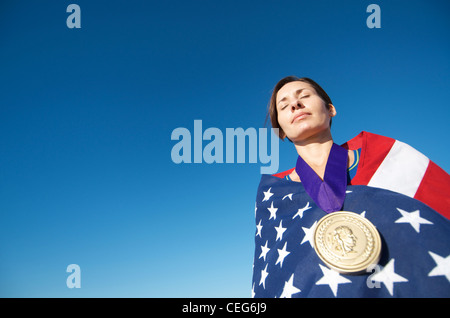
{"points": [[415, 259], [393, 165]]}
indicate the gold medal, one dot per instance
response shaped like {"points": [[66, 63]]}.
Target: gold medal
{"points": [[347, 242]]}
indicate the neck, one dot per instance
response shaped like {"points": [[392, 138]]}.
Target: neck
{"points": [[315, 150]]}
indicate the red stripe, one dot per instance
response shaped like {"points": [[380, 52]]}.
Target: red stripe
{"points": [[371, 156], [284, 173], [434, 189]]}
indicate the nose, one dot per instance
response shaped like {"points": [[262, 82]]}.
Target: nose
{"points": [[295, 104]]}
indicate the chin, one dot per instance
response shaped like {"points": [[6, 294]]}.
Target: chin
{"points": [[306, 133]]}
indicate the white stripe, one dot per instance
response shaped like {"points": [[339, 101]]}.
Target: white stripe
{"points": [[401, 171]]}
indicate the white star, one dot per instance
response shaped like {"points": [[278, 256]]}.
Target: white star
{"points": [[300, 211], [281, 255], [267, 195], [309, 233], [253, 290], [264, 250], [363, 214], [255, 208], [412, 218], [388, 277], [288, 196], [332, 279], [280, 230], [264, 274], [272, 211], [289, 288], [259, 228], [442, 266]]}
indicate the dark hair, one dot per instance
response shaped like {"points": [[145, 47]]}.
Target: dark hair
{"points": [[272, 111]]}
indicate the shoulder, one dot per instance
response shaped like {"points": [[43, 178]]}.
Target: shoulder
{"points": [[391, 164], [364, 139]]}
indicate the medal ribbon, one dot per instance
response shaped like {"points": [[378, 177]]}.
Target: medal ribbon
{"points": [[328, 194]]}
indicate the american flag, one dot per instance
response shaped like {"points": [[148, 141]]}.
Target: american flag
{"points": [[415, 259]]}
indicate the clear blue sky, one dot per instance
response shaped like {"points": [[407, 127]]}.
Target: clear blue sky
{"points": [[86, 117]]}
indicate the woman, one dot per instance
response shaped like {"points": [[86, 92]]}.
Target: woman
{"points": [[393, 242]]}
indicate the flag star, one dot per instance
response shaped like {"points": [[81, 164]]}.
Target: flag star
{"points": [[413, 218], [388, 277], [264, 274], [442, 266], [282, 254], [363, 214], [273, 211], [289, 288], [300, 211], [255, 208], [253, 290], [280, 230], [264, 250], [259, 228], [331, 278], [267, 195], [309, 234], [288, 196]]}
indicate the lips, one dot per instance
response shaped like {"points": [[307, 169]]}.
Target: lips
{"points": [[300, 116]]}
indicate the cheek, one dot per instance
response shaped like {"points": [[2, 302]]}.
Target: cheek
{"points": [[320, 111], [283, 120]]}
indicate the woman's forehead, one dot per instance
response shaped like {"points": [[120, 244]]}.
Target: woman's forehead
{"points": [[292, 87]]}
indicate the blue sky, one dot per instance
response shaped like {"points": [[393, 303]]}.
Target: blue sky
{"points": [[86, 117]]}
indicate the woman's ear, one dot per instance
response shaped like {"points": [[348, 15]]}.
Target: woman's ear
{"points": [[332, 110]]}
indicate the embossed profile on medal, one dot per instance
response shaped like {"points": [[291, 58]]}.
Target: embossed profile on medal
{"points": [[343, 240]]}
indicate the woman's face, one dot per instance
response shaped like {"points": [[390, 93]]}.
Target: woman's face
{"points": [[302, 113]]}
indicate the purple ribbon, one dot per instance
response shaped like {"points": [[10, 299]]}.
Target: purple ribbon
{"points": [[328, 194]]}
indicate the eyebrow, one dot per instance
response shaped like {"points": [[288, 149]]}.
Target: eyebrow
{"points": [[297, 92]]}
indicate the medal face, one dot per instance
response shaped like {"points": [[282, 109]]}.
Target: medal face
{"points": [[347, 242]]}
